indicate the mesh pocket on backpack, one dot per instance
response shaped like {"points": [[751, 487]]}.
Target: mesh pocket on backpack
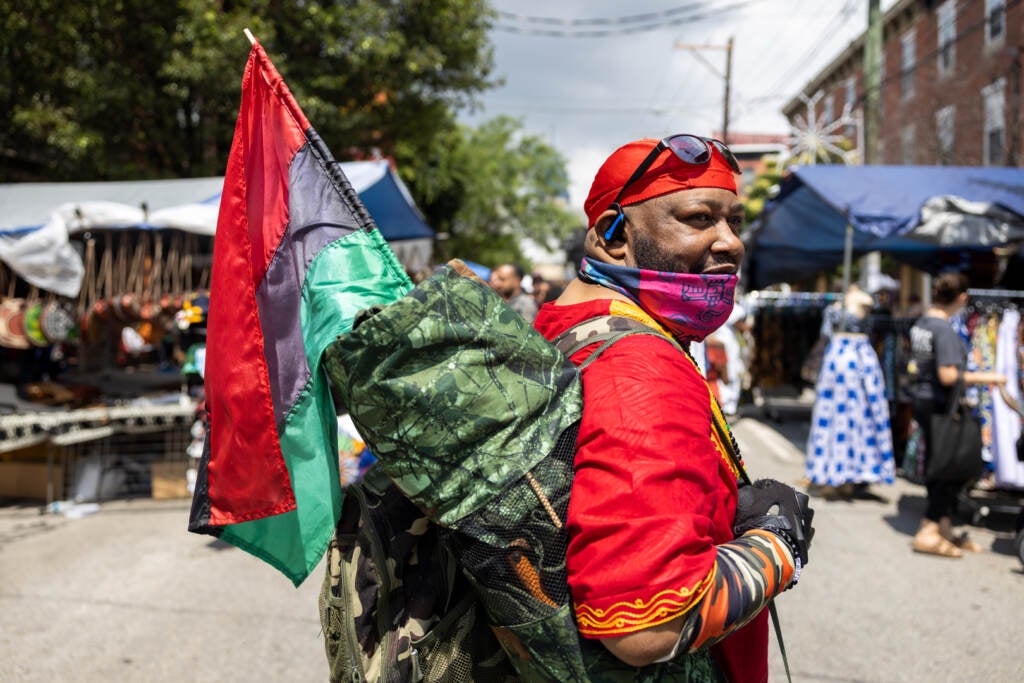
{"points": [[460, 648], [514, 548], [513, 551]]}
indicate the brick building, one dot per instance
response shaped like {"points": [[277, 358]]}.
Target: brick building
{"points": [[950, 84]]}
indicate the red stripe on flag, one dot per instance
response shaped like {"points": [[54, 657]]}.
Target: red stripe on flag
{"points": [[248, 478]]}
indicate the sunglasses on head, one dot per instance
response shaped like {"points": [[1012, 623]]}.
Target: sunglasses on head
{"points": [[693, 150]]}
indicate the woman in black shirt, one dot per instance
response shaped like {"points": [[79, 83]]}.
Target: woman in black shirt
{"points": [[939, 361]]}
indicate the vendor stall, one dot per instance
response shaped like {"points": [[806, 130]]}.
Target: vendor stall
{"points": [[931, 218], [103, 300], [914, 213]]}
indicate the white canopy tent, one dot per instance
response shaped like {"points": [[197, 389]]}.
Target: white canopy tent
{"points": [[37, 219]]}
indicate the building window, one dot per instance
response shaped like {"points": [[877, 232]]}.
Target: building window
{"points": [[848, 107], [907, 145], [829, 115], [881, 86], [994, 143], [946, 19], [909, 57], [944, 120], [995, 20]]}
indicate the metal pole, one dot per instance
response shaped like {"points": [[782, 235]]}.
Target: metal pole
{"points": [[847, 264], [872, 263], [727, 76], [872, 81]]}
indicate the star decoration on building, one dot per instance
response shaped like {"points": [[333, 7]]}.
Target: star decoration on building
{"points": [[813, 140]]}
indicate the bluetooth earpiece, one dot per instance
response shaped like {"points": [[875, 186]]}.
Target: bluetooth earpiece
{"points": [[613, 229]]}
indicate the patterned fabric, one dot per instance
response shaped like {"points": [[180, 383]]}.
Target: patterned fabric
{"points": [[1009, 471], [455, 393], [691, 306], [982, 357], [851, 437], [748, 573], [473, 416]]}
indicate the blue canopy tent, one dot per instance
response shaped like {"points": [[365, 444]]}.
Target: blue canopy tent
{"points": [[911, 212]]}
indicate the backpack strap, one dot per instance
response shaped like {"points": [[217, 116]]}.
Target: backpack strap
{"points": [[604, 330]]}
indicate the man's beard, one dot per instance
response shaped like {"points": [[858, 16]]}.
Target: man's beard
{"points": [[649, 256]]}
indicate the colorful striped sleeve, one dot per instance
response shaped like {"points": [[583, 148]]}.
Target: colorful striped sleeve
{"points": [[748, 572]]}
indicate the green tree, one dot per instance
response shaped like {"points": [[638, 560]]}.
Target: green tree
{"points": [[385, 76], [132, 89], [491, 186], [79, 85], [761, 189]]}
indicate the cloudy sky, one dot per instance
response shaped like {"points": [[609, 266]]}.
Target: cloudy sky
{"points": [[627, 77]]}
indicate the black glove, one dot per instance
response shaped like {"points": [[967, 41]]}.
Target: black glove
{"points": [[773, 506]]}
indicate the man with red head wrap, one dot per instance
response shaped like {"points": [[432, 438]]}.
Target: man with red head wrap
{"points": [[671, 560]]}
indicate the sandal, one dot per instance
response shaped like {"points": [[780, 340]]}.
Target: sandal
{"points": [[963, 542], [938, 546]]}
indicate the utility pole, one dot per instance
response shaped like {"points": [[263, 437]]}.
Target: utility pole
{"points": [[872, 264], [872, 81], [727, 76]]}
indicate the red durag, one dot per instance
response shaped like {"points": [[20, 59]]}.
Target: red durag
{"points": [[667, 174]]}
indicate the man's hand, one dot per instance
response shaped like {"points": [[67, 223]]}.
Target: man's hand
{"points": [[773, 506]]}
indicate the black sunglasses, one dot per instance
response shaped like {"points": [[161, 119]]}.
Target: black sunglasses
{"points": [[690, 149]]}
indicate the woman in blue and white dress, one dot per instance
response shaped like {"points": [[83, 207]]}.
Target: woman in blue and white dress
{"points": [[850, 441]]}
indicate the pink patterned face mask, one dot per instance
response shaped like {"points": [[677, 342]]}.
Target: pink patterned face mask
{"points": [[690, 306]]}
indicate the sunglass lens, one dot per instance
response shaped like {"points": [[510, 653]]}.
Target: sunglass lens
{"points": [[727, 153], [690, 149]]}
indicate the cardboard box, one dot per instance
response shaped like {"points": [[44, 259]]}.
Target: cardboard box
{"points": [[169, 479], [28, 480]]}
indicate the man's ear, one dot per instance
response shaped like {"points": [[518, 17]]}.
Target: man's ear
{"points": [[610, 250]]}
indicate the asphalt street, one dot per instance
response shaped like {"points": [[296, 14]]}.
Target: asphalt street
{"points": [[126, 594]]}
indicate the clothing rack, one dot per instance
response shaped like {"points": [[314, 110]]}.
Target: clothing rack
{"points": [[1009, 498], [771, 298], [991, 300], [997, 293]]}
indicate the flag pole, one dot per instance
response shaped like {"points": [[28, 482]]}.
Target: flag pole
{"points": [[331, 167]]}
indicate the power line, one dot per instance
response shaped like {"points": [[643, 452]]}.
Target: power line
{"points": [[928, 36], [628, 19], [767, 60], [623, 29], [604, 109], [826, 36]]}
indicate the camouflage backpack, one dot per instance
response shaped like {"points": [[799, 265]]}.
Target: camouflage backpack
{"points": [[394, 605], [473, 417]]}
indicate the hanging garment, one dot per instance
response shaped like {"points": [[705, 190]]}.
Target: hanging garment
{"points": [[851, 436], [783, 337], [982, 358], [1006, 423]]}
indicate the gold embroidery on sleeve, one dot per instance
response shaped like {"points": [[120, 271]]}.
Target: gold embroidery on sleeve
{"points": [[628, 616]]}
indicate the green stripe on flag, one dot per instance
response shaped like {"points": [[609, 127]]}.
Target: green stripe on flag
{"points": [[345, 277]]}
